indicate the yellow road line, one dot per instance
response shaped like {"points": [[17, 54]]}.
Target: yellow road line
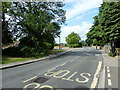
{"points": [[29, 79], [95, 79]]}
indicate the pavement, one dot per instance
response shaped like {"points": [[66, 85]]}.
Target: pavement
{"points": [[110, 72], [77, 69]]}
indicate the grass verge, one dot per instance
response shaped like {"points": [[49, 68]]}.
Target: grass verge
{"points": [[7, 60]]}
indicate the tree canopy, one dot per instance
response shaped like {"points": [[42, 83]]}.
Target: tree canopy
{"points": [[35, 24], [106, 26], [73, 40]]}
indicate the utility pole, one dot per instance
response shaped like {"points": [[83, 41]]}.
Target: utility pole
{"points": [[59, 42]]}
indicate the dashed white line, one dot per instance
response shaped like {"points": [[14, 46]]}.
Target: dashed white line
{"points": [[108, 70], [96, 54], [109, 82], [57, 66], [108, 75], [62, 64]]}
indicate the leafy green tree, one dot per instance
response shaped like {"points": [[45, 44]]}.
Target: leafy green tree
{"points": [[6, 34], [95, 32], [95, 42], [36, 24], [73, 40], [106, 27], [110, 21]]}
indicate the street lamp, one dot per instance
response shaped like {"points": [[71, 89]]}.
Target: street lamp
{"points": [[59, 42]]}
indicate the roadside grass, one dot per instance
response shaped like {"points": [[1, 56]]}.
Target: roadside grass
{"points": [[7, 60], [54, 51]]}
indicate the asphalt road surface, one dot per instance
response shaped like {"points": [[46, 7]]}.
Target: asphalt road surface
{"points": [[76, 69]]}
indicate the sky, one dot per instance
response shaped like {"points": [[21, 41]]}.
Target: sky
{"points": [[79, 17]]}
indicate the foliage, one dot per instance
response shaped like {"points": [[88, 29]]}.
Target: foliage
{"points": [[95, 42], [106, 28], [6, 59], [11, 51], [73, 40], [6, 34], [35, 24], [112, 54]]}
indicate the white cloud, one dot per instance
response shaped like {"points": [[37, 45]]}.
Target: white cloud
{"points": [[80, 6], [79, 29], [69, 1]]}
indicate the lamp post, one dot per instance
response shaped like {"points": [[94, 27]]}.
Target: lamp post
{"points": [[59, 42]]}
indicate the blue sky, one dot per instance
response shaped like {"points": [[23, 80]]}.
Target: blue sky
{"points": [[79, 17]]}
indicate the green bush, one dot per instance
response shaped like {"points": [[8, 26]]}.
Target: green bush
{"points": [[112, 54], [11, 51]]}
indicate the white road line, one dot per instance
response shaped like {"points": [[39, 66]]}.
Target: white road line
{"points": [[108, 70], [52, 69], [57, 66], [95, 79], [29, 79], [108, 75], [62, 64], [107, 67], [96, 54], [109, 82], [71, 61]]}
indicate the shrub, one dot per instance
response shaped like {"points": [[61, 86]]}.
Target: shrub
{"points": [[11, 51], [112, 54]]}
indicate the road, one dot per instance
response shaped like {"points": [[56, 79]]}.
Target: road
{"points": [[76, 69]]}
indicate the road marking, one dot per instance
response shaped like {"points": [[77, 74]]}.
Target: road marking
{"points": [[95, 79], [109, 82], [69, 78], [49, 74], [108, 70], [71, 61], [46, 86], [61, 71], [29, 79], [86, 79], [52, 69], [108, 75], [63, 64], [96, 54], [57, 66], [37, 86], [31, 84]]}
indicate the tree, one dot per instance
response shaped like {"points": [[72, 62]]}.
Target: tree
{"points": [[73, 40], [110, 21], [36, 24], [106, 27], [95, 33], [95, 42], [6, 34]]}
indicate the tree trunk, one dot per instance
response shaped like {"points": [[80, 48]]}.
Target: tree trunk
{"points": [[96, 46], [112, 46]]}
